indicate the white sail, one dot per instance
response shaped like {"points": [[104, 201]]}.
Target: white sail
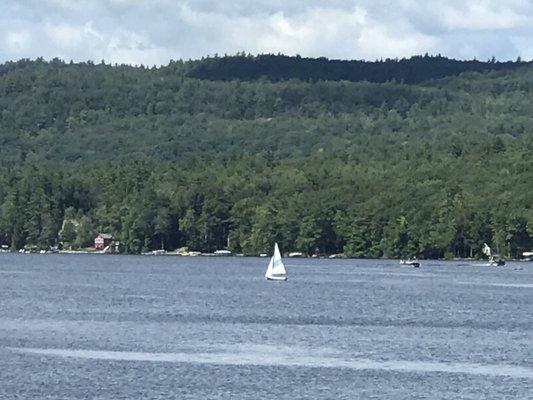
{"points": [[486, 250], [268, 272], [276, 269]]}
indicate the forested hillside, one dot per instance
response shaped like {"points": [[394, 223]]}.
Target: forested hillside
{"points": [[279, 67], [395, 166]]}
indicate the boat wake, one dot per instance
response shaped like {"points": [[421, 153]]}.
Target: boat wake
{"points": [[269, 356]]}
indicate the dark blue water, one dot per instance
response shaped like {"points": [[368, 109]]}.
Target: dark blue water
{"points": [[127, 327]]}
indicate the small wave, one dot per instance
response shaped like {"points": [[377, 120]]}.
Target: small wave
{"points": [[520, 285], [259, 319], [286, 359], [15, 272], [495, 284]]}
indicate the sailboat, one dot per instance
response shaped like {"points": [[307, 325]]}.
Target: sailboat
{"points": [[276, 269]]}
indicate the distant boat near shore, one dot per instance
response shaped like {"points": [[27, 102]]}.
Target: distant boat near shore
{"points": [[412, 263], [295, 254], [223, 253]]}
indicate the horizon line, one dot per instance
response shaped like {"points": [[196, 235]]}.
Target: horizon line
{"points": [[243, 54]]}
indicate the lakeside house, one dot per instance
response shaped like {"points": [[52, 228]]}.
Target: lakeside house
{"points": [[102, 241]]}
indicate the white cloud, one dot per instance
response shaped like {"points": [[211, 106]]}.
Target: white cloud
{"points": [[18, 42], [482, 15], [64, 36], [317, 32], [378, 41], [155, 31]]}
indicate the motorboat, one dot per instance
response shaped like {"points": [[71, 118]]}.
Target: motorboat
{"points": [[413, 263]]}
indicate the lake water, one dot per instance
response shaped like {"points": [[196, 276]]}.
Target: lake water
{"points": [[128, 327]]}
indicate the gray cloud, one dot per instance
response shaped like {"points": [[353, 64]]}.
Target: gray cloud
{"points": [[155, 31]]}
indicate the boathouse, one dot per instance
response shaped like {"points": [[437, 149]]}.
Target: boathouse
{"points": [[102, 241]]}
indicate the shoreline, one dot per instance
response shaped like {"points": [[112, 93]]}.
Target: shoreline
{"points": [[198, 254]]}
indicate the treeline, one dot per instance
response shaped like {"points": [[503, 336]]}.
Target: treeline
{"points": [[151, 156], [431, 208], [280, 67]]}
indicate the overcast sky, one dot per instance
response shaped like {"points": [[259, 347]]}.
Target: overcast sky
{"points": [[155, 31]]}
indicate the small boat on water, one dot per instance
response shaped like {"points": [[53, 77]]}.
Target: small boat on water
{"points": [[276, 270], [158, 252], [412, 263], [528, 256], [496, 262], [296, 254], [223, 253], [494, 259]]}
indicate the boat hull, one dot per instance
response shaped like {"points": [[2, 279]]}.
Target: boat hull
{"points": [[276, 278]]}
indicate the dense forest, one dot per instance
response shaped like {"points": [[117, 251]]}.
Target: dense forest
{"points": [[428, 156], [279, 67]]}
